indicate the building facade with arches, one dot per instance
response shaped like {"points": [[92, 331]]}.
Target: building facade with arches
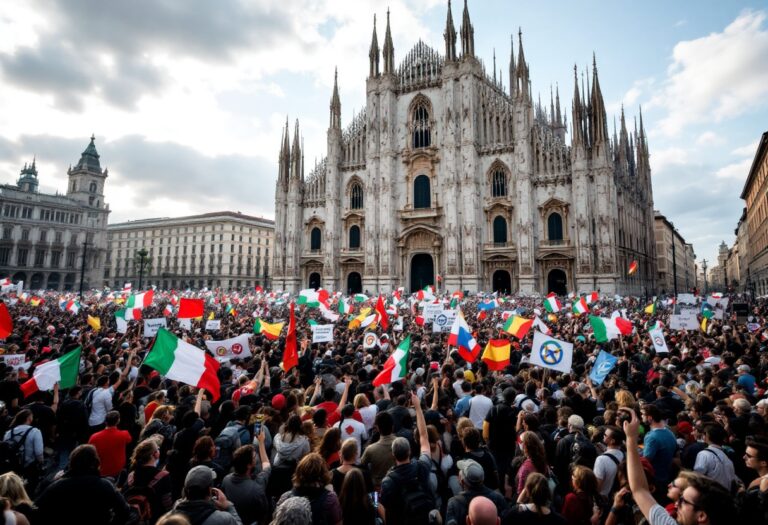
{"points": [[448, 173], [46, 237]]}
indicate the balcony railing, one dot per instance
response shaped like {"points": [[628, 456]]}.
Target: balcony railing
{"points": [[554, 242]]}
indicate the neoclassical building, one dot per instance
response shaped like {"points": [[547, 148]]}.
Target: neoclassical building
{"points": [[50, 241], [449, 177]]}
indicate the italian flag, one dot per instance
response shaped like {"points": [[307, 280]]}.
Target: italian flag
{"points": [[269, 330], [312, 298], [62, 370], [360, 297], [592, 297], [140, 301], [72, 307], [396, 366], [607, 329], [580, 306], [344, 307], [552, 304], [180, 361]]}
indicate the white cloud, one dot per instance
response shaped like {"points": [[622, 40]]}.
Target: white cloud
{"points": [[709, 138], [716, 77], [737, 170], [748, 150], [663, 159]]}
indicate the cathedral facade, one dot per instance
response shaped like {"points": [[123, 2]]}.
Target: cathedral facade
{"points": [[446, 177]]}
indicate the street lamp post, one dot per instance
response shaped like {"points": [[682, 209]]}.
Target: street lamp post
{"points": [[142, 261], [704, 267], [82, 266], [674, 265]]}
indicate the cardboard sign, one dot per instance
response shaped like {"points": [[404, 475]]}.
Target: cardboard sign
{"points": [[213, 324], [151, 326], [185, 324], [16, 361], [431, 310], [684, 321], [322, 333], [686, 298], [443, 321]]}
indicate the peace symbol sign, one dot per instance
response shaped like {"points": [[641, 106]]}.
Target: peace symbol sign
{"points": [[551, 352]]}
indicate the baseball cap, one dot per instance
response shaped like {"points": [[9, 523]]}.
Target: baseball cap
{"points": [[200, 476], [471, 471], [124, 345], [744, 368], [278, 402]]}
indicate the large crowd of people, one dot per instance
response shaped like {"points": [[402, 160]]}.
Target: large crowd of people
{"points": [[665, 438]]}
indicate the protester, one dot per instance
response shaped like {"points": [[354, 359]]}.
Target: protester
{"points": [[204, 504]]}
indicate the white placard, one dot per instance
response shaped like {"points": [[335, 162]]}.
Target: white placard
{"points": [[213, 324], [185, 324], [719, 314], [686, 298], [443, 321], [151, 326], [431, 310], [683, 321], [322, 333], [16, 361]]}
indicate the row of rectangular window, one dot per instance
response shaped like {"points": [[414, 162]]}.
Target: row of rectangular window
{"points": [[22, 257], [13, 211]]}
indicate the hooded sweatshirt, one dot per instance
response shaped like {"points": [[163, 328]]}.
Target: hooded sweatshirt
{"points": [[204, 512], [294, 450]]}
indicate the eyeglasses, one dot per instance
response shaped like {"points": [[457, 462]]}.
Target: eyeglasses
{"points": [[682, 500]]}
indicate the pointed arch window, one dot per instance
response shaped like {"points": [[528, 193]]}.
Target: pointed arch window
{"points": [[92, 187], [356, 196], [421, 192], [555, 227], [422, 133], [354, 237], [315, 239], [499, 230], [498, 183]]}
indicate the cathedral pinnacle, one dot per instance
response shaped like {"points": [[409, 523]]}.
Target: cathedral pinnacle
{"points": [[373, 54], [336, 102], [599, 126], [512, 80], [450, 37], [467, 34], [522, 67], [389, 50]]}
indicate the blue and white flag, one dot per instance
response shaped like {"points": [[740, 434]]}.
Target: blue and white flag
{"points": [[602, 367], [549, 352]]}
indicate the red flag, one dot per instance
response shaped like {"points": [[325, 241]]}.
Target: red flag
{"points": [[6, 323], [190, 308], [382, 311], [291, 353]]}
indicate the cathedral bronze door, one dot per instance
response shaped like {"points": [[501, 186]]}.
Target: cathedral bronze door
{"points": [[422, 271], [354, 283], [557, 282]]}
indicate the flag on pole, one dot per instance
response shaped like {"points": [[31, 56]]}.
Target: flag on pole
{"points": [[396, 365], [312, 299], [552, 304], [592, 297], [327, 314], [269, 330], [580, 307], [180, 361], [632, 268], [190, 308], [382, 311], [360, 297], [549, 352], [62, 370], [608, 329], [344, 307], [232, 348], [602, 367], [95, 323], [496, 354], [291, 352], [140, 301], [650, 309], [462, 339], [518, 326], [168, 310], [541, 326]]}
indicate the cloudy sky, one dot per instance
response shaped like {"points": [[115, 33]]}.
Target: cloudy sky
{"points": [[187, 98]]}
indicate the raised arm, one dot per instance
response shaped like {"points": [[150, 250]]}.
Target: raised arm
{"points": [[345, 395], [261, 437], [421, 424], [126, 370], [435, 392], [637, 482], [199, 402], [316, 390]]}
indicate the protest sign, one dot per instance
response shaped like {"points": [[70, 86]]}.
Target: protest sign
{"points": [[443, 321], [213, 324], [151, 326], [322, 333]]}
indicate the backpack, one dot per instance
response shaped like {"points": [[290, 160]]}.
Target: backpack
{"points": [[89, 400], [443, 489], [226, 443], [12, 452], [417, 502], [317, 504], [140, 498], [583, 452], [615, 486]]}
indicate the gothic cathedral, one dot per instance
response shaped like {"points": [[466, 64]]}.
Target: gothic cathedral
{"points": [[448, 178]]}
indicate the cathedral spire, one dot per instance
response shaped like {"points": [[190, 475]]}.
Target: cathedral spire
{"points": [[450, 37], [373, 53], [599, 125], [335, 102], [284, 163], [578, 136], [512, 79], [552, 121], [467, 34], [389, 51], [494, 66], [296, 155], [558, 113], [522, 67]]}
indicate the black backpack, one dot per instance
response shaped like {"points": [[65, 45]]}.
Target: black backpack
{"points": [[12, 452], [417, 501], [140, 498], [583, 452], [226, 444]]}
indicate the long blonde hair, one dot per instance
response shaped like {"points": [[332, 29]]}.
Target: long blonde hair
{"points": [[12, 487]]}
